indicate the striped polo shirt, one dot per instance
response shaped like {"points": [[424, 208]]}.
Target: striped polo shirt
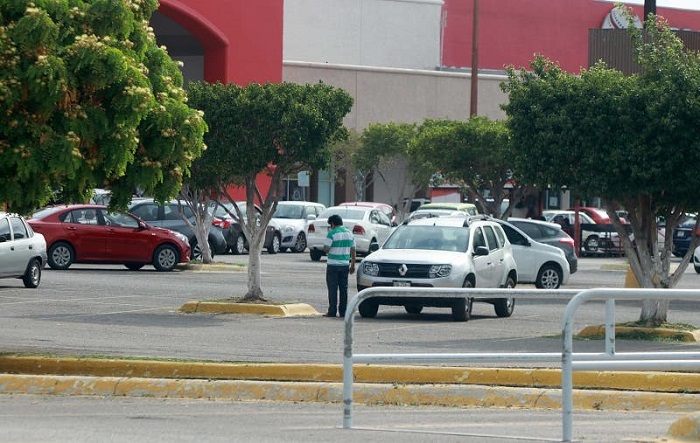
{"points": [[339, 241]]}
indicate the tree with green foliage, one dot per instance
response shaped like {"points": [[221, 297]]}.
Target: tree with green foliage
{"points": [[275, 129], [383, 156], [476, 154], [87, 99], [627, 139]]}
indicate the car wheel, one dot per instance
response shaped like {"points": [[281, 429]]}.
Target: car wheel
{"points": [[592, 243], [165, 258], [413, 309], [504, 306], [61, 255], [238, 247], [133, 266], [315, 254], [368, 309], [549, 277], [32, 276], [197, 253], [300, 244], [462, 307], [274, 247]]}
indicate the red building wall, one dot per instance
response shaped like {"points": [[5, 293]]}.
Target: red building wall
{"points": [[242, 40], [512, 31]]}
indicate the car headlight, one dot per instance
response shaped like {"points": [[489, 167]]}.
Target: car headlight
{"points": [[287, 229], [370, 268], [181, 237], [439, 271]]}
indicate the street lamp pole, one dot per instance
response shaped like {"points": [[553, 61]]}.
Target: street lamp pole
{"points": [[475, 60], [649, 8]]}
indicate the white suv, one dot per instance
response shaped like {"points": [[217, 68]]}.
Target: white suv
{"points": [[442, 252]]}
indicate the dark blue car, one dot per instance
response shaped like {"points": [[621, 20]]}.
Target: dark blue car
{"points": [[682, 236]]}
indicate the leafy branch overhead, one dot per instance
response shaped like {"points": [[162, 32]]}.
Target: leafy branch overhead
{"points": [[87, 99]]}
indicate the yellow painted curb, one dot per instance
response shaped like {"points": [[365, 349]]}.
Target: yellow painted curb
{"points": [[417, 395], [674, 334], [686, 428], [285, 310], [671, 382]]}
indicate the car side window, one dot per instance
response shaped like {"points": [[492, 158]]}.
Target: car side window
{"points": [[83, 217], [514, 236], [19, 230], [383, 219], [120, 220], [147, 212], [479, 239], [491, 237], [501, 237], [531, 230], [5, 234]]}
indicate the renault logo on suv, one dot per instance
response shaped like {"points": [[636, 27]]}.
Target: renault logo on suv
{"points": [[403, 269]]}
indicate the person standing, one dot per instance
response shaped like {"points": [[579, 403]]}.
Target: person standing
{"points": [[339, 246]]}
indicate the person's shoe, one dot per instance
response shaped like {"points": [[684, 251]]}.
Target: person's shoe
{"points": [[328, 314]]}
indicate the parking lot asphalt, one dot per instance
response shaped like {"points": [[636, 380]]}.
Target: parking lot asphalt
{"points": [[405, 385]]}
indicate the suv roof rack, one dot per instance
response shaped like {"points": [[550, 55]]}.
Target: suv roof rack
{"points": [[478, 217]]}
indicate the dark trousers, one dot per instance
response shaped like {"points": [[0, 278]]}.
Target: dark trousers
{"points": [[337, 282]]}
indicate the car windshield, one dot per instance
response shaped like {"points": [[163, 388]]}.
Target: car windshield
{"points": [[439, 238], [289, 211], [346, 213]]}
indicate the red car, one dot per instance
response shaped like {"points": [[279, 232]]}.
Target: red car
{"points": [[92, 234]]}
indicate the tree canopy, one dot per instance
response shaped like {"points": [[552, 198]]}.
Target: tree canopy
{"points": [[275, 129], [383, 157], [477, 155], [627, 139], [87, 99]]}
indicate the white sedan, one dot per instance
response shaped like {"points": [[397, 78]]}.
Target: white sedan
{"points": [[369, 225], [544, 265], [22, 251]]}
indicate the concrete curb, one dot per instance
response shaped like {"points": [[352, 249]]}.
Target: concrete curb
{"points": [[653, 382], [365, 393], [285, 310], [665, 333]]}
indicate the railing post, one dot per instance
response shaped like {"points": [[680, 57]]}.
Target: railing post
{"points": [[610, 326]]}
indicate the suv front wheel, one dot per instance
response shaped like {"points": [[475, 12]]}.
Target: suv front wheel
{"points": [[462, 307]]}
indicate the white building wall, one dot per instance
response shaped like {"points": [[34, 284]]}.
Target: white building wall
{"points": [[388, 33], [400, 95]]}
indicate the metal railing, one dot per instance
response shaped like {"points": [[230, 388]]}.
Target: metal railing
{"points": [[608, 360]]}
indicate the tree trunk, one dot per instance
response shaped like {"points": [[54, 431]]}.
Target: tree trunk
{"points": [[654, 313]]}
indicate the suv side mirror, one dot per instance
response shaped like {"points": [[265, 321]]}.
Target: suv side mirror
{"points": [[373, 247], [481, 250]]}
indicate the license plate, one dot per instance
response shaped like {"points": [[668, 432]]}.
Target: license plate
{"points": [[402, 284], [680, 234]]}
